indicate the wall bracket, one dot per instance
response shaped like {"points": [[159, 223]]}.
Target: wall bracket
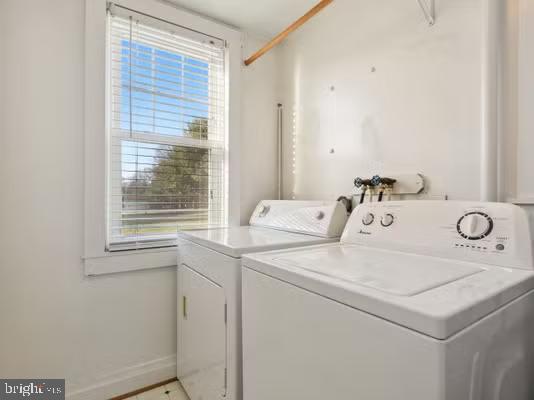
{"points": [[429, 9]]}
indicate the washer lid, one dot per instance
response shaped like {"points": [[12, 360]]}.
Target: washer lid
{"points": [[384, 271], [248, 239], [435, 296]]}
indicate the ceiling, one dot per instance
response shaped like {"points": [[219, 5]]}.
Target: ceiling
{"points": [[265, 18]]}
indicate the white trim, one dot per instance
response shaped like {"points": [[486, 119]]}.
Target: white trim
{"points": [[167, 140], [489, 139], [96, 259], [128, 379], [160, 22], [95, 128], [233, 128], [120, 261]]}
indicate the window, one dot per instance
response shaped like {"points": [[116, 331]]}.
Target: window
{"points": [[166, 147], [177, 137]]}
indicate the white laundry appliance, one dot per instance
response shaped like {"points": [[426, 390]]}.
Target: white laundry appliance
{"points": [[421, 300], [209, 287]]}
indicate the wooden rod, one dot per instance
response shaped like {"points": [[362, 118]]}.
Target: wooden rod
{"points": [[281, 36]]}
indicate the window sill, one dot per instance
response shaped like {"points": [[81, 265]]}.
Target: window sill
{"points": [[123, 261]]}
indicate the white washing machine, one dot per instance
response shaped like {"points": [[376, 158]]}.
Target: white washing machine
{"points": [[209, 287], [419, 301]]}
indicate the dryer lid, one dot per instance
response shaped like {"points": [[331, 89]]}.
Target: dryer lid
{"points": [[236, 241]]}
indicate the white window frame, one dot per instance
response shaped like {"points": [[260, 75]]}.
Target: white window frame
{"points": [[96, 259]]}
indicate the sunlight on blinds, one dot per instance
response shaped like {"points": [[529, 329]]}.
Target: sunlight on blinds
{"points": [[166, 167]]}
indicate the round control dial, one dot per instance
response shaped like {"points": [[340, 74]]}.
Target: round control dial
{"points": [[387, 220], [319, 215], [474, 225], [368, 219]]}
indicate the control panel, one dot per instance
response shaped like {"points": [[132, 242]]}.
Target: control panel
{"points": [[491, 233], [318, 218]]}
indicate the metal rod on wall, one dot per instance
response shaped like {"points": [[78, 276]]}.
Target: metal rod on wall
{"points": [[280, 140]]}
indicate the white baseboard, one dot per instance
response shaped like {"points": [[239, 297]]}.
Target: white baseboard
{"points": [[128, 380]]}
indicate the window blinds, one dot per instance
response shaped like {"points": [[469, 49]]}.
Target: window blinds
{"points": [[166, 159]]}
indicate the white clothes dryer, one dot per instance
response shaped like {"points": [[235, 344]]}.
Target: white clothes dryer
{"points": [[209, 287]]}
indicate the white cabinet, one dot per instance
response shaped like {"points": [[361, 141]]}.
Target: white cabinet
{"points": [[201, 335]]}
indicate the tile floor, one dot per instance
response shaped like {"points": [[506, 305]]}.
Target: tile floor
{"points": [[171, 391]]}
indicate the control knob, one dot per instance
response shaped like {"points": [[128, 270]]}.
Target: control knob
{"points": [[387, 220], [368, 218], [474, 225]]}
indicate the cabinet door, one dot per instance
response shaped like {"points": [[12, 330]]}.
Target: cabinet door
{"points": [[201, 336]]}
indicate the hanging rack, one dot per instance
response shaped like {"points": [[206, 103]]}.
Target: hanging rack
{"points": [[429, 9]]}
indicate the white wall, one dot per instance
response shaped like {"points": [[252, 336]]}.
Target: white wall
{"points": [[99, 331], [419, 112], [525, 139], [258, 129], [517, 135]]}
